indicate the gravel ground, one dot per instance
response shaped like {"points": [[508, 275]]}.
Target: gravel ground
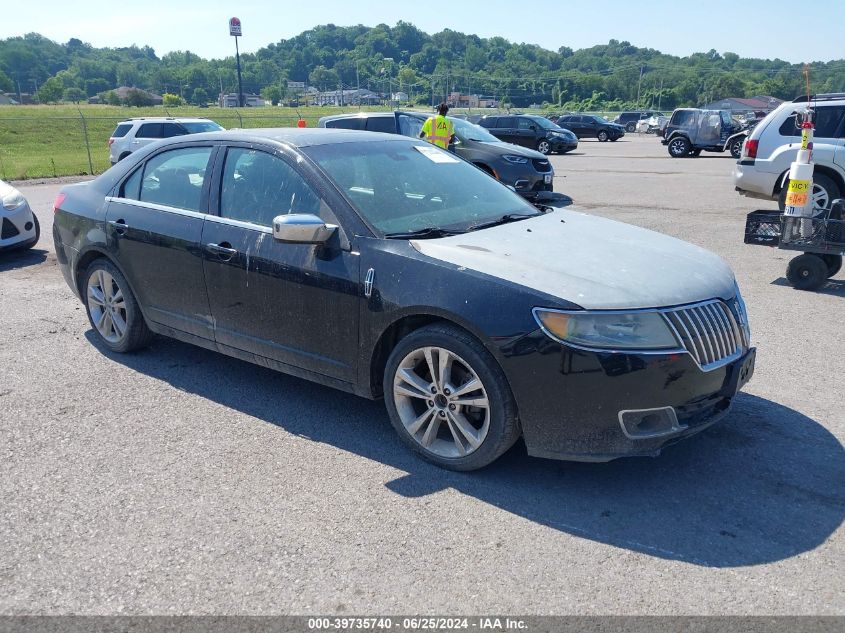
{"points": [[179, 481]]}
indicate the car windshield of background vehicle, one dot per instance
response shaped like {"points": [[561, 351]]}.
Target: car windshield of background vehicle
{"points": [[195, 127], [405, 187], [467, 131]]}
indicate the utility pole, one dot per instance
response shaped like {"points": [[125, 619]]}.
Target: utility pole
{"points": [[639, 83], [660, 94]]}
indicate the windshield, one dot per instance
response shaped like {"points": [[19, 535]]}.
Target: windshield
{"points": [[195, 127], [401, 187], [601, 119], [467, 131]]}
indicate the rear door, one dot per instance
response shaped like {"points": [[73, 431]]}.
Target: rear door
{"points": [[154, 226], [506, 129], [293, 303]]}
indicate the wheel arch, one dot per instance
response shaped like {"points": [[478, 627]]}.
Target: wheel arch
{"points": [[486, 168], [836, 176], [401, 327]]}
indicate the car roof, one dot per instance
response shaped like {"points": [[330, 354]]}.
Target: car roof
{"points": [[158, 119], [297, 137]]}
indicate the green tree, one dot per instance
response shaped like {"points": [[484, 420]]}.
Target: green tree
{"points": [[199, 96], [110, 98], [170, 100], [51, 91], [75, 94], [273, 94]]}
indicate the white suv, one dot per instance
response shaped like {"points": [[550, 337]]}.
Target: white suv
{"points": [[134, 134], [763, 167]]}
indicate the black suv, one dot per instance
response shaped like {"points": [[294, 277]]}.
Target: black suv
{"points": [[531, 131], [591, 126], [629, 120], [528, 172]]}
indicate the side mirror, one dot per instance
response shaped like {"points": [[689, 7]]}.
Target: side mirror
{"points": [[302, 228]]}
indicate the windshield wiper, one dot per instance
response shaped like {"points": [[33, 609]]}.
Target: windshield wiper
{"points": [[508, 217], [429, 231]]}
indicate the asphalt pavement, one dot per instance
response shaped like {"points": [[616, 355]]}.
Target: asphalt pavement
{"points": [[179, 481]]}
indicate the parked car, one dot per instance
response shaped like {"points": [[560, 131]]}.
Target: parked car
{"points": [[629, 120], [133, 134], [387, 267], [692, 130], [526, 170], [19, 227], [531, 131], [591, 126], [656, 124], [763, 167]]}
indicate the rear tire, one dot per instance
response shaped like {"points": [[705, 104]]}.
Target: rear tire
{"points": [[825, 191], [834, 264], [448, 399], [736, 148], [112, 309], [631, 127], [807, 271]]}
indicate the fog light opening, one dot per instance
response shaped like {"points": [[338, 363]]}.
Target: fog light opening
{"points": [[638, 424]]}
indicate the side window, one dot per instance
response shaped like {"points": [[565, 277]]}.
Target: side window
{"points": [[175, 178], [506, 122], [410, 126], [132, 186], [121, 130], [382, 124], [258, 186], [149, 130], [787, 128], [828, 120], [526, 124], [172, 129], [351, 123]]}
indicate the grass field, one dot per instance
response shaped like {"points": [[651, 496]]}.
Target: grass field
{"points": [[44, 141]]}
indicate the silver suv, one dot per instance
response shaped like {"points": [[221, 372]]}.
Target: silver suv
{"points": [[763, 167], [133, 134]]}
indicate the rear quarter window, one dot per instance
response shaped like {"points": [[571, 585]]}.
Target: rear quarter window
{"points": [[828, 122], [382, 124], [149, 130], [121, 130], [352, 123]]}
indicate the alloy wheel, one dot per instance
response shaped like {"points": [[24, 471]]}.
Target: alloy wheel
{"points": [[441, 402], [107, 306]]}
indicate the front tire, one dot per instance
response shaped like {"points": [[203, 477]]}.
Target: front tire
{"points": [[544, 147], [448, 399], [112, 309], [679, 147], [807, 271], [602, 136]]}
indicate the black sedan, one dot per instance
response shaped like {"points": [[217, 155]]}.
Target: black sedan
{"points": [[387, 267], [591, 126]]}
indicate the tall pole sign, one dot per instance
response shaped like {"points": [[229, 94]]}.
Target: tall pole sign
{"points": [[235, 31]]}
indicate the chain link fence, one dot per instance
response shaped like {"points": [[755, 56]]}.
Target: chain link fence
{"points": [[52, 146]]}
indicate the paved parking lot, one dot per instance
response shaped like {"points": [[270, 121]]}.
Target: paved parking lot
{"points": [[177, 480]]}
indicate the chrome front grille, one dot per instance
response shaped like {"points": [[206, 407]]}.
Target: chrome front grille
{"points": [[708, 331]]}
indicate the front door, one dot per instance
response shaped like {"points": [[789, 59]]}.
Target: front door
{"points": [[154, 225], [293, 303]]}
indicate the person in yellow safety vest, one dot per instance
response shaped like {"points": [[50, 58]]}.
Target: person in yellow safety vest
{"points": [[439, 130]]}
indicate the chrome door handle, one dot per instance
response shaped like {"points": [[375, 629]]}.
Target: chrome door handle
{"points": [[120, 227], [223, 250]]}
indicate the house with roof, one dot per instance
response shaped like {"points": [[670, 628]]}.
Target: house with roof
{"points": [[740, 105]]}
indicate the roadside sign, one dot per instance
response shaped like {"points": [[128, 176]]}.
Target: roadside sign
{"points": [[235, 27]]}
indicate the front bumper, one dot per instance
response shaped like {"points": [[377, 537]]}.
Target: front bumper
{"points": [[17, 227], [560, 145], [585, 406]]}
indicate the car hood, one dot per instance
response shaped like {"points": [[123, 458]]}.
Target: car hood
{"points": [[501, 147], [596, 263]]}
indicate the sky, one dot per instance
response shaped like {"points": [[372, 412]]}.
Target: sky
{"points": [[752, 28]]}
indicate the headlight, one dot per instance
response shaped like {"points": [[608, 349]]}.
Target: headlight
{"points": [[608, 330], [512, 158], [13, 200]]}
